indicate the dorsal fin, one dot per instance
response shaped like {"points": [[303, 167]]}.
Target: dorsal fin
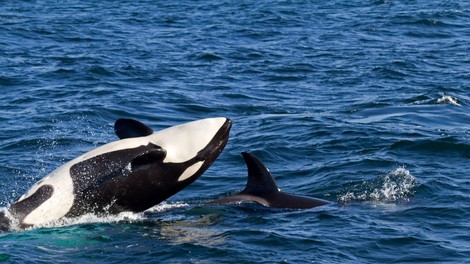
{"points": [[130, 128], [260, 179]]}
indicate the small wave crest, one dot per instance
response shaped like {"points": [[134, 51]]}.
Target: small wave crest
{"points": [[162, 207], [395, 186], [447, 99], [442, 100]]}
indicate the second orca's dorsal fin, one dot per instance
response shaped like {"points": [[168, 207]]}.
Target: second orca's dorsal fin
{"points": [[130, 128], [260, 179]]}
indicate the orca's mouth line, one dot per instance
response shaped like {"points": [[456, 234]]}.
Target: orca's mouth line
{"points": [[223, 132], [221, 138], [217, 144]]}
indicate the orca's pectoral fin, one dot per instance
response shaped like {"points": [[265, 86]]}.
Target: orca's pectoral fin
{"points": [[149, 156], [130, 128]]}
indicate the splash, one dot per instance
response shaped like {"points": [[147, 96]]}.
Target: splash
{"points": [[443, 99], [91, 218], [395, 186], [7, 221], [447, 99], [121, 217], [131, 217], [164, 206]]}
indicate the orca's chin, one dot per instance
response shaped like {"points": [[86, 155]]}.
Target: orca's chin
{"points": [[219, 141], [210, 153]]}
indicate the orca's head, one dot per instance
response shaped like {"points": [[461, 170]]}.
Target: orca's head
{"points": [[194, 145]]}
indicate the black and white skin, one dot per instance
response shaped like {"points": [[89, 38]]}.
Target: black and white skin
{"points": [[138, 171]]}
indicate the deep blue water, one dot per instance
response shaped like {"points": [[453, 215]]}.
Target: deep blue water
{"points": [[361, 103]]}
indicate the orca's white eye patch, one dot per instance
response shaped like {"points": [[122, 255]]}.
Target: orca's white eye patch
{"points": [[190, 171]]}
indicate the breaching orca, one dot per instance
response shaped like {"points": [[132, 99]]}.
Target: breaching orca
{"points": [[262, 188], [138, 171]]}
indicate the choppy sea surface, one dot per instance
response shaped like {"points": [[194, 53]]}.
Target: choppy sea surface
{"points": [[361, 103]]}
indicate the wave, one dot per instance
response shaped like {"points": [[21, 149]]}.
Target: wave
{"points": [[396, 186], [444, 99], [439, 112], [447, 99], [439, 146]]}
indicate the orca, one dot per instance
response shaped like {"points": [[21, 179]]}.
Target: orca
{"points": [[138, 171], [261, 188]]}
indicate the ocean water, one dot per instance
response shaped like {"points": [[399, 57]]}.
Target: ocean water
{"points": [[361, 103]]}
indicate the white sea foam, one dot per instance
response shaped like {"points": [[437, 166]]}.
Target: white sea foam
{"points": [[121, 217], [397, 185], [164, 206], [446, 99], [92, 218], [14, 223]]}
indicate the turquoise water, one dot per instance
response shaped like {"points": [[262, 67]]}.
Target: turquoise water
{"points": [[361, 103]]}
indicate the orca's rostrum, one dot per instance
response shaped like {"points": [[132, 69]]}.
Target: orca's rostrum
{"points": [[138, 171]]}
